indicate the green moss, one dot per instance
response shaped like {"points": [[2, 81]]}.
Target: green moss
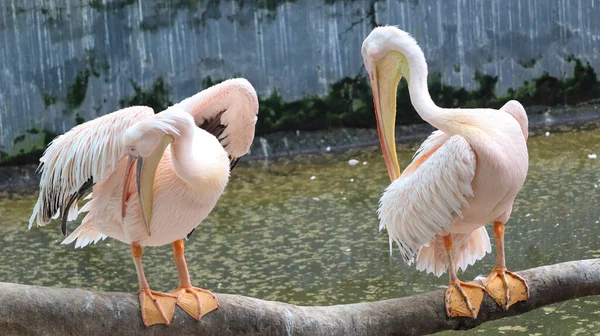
{"points": [[331, 2], [76, 92], [270, 5], [48, 137], [21, 159], [110, 5], [79, 119], [545, 90], [446, 95], [157, 96], [208, 82], [201, 11], [96, 4], [529, 63], [195, 4], [125, 3], [150, 24], [28, 157], [49, 99], [51, 20], [18, 139], [484, 93], [185, 4], [349, 102], [95, 66], [548, 90]]}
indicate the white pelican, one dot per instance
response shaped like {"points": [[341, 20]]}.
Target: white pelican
{"points": [[182, 156], [463, 176]]}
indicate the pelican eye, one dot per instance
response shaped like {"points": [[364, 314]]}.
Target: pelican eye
{"points": [[133, 151]]}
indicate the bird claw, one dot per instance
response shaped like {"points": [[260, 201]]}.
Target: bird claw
{"points": [[197, 302], [157, 307], [463, 299], [506, 288]]}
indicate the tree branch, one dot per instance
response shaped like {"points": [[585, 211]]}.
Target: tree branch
{"points": [[32, 310]]}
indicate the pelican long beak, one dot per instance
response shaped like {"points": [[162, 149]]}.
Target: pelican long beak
{"points": [[145, 171], [385, 74], [128, 175]]}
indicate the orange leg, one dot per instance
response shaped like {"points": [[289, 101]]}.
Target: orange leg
{"points": [[197, 302], [505, 287], [157, 307], [462, 298]]}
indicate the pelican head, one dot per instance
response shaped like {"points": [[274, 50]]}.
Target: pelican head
{"points": [[386, 53], [146, 142]]}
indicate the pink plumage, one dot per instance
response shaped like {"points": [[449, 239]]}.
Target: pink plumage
{"points": [[181, 158], [465, 175]]}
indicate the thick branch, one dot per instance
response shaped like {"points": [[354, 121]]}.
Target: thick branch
{"points": [[31, 310]]}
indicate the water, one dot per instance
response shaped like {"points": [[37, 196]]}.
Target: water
{"points": [[280, 234]]}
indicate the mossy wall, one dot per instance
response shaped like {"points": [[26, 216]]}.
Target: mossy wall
{"points": [[68, 61], [349, 103]]}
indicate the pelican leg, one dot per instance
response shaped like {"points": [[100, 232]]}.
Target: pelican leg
{"points": [[462, 298], [504, 286], [157, 307], [197, 302]]}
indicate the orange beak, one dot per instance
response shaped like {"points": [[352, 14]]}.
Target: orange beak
{"points": [[385, 75], [145, 169]]}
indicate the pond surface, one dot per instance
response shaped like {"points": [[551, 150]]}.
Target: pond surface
{"points": [[304, 231]]}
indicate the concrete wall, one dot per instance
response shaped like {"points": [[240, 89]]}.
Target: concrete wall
{"points": [[49, 48]]}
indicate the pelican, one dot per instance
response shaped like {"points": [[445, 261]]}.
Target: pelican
{"points": [[181, 158], [465, 175]]}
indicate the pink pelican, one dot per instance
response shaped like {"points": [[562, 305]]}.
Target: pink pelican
{"points": [[182, 158], [465, 175]]}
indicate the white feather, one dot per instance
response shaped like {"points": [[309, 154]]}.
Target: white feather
{"points": [[422, 203], [84, 235], [88, 150], [239, 102], [467, 249]]}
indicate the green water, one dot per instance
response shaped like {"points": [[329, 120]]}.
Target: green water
{"points": [[304, 231]]}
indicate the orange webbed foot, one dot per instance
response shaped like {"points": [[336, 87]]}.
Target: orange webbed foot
{"points": [[157, 307], [464, 299], [506, 288], [197, 302]]}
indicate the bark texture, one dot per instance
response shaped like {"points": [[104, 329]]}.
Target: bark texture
{"points": [[32, 310]]}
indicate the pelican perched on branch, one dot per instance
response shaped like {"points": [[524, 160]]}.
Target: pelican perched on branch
{"points": [[153, 177], [465, 175]]}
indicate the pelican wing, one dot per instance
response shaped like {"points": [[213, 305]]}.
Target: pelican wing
{"points": [[76, 160], [433, 189], [216, 128], [430, 145], [229, 111]]}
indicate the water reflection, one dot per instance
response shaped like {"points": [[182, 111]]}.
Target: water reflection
{"points": [[304, 231]]}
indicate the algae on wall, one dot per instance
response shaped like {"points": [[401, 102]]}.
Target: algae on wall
{"points": [[71, 60], [349, 102]]}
